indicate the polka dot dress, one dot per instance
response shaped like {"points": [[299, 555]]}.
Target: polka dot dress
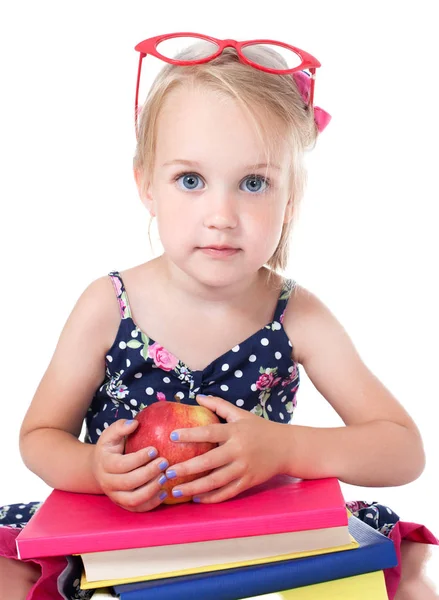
{"points": [[258, 374]]}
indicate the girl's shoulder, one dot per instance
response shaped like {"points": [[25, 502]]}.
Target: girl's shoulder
{"points": [[97, 306], [306, 320], [95, 319], [138, 277]]}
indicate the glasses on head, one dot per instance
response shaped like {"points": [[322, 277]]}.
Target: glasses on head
{"points": [[297, 62]]}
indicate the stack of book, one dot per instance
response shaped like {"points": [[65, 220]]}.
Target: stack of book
{"points": [[290, 537]]}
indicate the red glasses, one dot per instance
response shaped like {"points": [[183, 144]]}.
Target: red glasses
{"points": [[166, 46]]}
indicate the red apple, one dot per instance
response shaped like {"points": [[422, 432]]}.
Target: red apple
{"points": [[156, 422]]}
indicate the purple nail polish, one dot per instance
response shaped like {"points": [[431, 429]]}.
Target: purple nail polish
{"points": [[177, 493], [163, 495], [174, 436]]}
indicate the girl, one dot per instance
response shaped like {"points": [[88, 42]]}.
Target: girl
{"points": [[219, 162]]}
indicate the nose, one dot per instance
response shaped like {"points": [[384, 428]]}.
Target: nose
{"points": [[221, 211]]}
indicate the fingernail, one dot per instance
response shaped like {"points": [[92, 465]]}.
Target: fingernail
{"points": [[177, 493], [129, 421], [174, 436], [163, 495], [171, 474], [162, 479], [152, 453], [163, 465], [201, 395], [196, 499]]}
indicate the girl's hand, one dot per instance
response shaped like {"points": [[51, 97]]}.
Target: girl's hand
{"points": [[250, 451], [133, 481]]}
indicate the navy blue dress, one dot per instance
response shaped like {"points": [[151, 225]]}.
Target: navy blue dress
{"points": [[258, 374]]}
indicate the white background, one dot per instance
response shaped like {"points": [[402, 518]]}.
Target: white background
{"points": [[366, 242]]}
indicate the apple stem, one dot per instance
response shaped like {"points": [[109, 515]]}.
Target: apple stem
{"points": [[177, 398]]}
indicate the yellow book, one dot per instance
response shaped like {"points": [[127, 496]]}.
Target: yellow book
{"points": [[86, 584], [369, 586]]}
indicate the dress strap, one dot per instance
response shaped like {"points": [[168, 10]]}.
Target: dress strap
{"points": [[286, 291], [121, 295]]}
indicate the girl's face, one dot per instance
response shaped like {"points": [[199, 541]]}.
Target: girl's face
{"points": [[210, 187]]}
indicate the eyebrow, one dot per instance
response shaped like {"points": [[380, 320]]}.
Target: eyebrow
{"points": [[194, 163]]}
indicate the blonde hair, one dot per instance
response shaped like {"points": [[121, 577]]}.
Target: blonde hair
{"points": [[272, 101]]}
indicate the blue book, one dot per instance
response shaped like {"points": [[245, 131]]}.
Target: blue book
{"points": [[375, 553]]}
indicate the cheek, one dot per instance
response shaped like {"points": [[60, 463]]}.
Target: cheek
{"points": [[167, 223], [267, 218], [174, 226], [266, 227], [171, 206]]}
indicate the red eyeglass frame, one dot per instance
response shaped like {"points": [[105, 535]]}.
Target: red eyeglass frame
{"points": [[149, 46]]}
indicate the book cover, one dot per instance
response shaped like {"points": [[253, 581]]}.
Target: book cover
{"points": [[72, 523], [370, 586], [375, 553], [115, 572]]}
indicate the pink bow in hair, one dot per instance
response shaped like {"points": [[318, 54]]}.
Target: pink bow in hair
{"points": [[303, 82]]}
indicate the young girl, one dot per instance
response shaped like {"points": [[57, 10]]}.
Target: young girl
{"points": [[219, 163]]}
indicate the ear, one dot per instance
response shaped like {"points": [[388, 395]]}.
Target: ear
{"points": [[144, 192]]}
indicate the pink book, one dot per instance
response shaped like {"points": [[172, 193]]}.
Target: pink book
{"points": [[71, 523]]}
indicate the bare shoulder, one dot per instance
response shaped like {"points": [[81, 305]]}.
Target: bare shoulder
{"points": [[97, 308], [322, 345], [304, 317], [144, 275]]}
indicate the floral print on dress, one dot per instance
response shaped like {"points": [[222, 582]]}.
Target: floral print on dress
{"points": [[121, 296], [266, 382], [162, 358], [115, 387], [378, 516], [135, 344]]}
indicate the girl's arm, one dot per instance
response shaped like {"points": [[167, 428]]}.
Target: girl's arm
{"points": [[48, 437], [380, 445]]}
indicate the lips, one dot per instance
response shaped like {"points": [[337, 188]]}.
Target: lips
{"points": [[219, 248], [219, 251]]}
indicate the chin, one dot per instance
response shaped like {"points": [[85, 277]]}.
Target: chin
{"points": [[217, 278]]}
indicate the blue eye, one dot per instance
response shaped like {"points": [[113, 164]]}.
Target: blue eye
{"points": [[256, 182], [188, 180]]}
